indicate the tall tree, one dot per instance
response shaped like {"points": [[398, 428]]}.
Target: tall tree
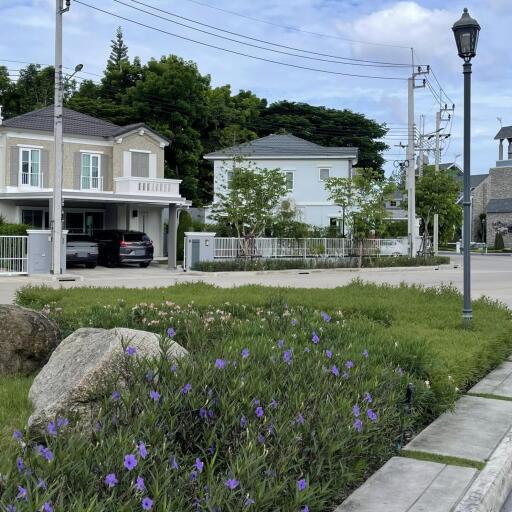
{"points": [[119, 51]]}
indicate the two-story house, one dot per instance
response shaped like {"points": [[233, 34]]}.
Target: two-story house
{"points": [[113, 176], [305, 165]]}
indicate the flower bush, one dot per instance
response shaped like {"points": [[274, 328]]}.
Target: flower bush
{"points": [[275, 409]]}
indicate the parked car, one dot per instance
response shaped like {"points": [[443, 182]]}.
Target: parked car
{"points": [[81, 249], [118, 246], [393, 248]]}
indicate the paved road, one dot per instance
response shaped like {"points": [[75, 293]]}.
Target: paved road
{"points": [[491, 276]]}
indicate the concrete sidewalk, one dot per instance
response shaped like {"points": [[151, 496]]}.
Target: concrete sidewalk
{"points": [[478, 433]]}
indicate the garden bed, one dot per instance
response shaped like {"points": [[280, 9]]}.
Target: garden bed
{"points": [[245, 264], [290, 399]]}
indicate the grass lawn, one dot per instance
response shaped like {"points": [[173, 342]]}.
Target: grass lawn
{"points": [[325, 358]]}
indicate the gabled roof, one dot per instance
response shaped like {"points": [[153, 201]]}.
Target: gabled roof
{"points": [[449, 165], [499, 206], [476, 179], [74, 123], [504, 133], [284, 145]]}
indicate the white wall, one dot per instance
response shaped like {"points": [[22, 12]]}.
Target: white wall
{"points": [[308, 192], [10, 212]]}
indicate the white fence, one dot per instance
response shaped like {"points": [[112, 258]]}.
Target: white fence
{"points": [[228, 248], [13, 255]]}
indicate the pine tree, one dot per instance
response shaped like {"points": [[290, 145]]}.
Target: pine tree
{"points": [[119, 53]]}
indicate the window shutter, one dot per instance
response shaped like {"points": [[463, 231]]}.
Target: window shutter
{"points": [[106, 172], [140, 165], [15, 166], [45, 167], [77, 171]]}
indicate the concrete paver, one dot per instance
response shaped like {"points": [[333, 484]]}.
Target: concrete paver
{"points": [[498, 382], [407, 485], [472, 431]]}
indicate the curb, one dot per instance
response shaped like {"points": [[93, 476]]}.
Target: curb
{"points": [[490, 489]]}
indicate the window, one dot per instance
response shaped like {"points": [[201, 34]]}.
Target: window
{"points": [[90, 175], [140, 164], [289, 179], [36, 218], [30, 167], [392, 203], [325, 173], [229, 177]]}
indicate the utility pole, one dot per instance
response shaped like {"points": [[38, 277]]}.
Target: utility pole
{"points": [[58, 142], [411, 169], [439, 118]]}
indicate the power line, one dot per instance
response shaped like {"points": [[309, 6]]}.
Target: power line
{"points": [[441, 88], [369, 62], [296, 29], [237, 52]]}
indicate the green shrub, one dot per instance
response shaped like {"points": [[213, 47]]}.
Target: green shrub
{"points": [[499, 243], [241, 264], [7, 229]]}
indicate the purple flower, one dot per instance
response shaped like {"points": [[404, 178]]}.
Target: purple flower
{"points": [[301, 484], [368, 398], [171, 332], [52, 429], [202, 413], [349, 364], [139, 484], [174, 368], [22, 493], [335, 371], [288, 356], [11, 508], [280, 343], [325, 316], [245, 353], [273, 404], [130, 461], [131, 351], [186, 389], [305, 508], [17, 435], [143, 452], [199, 464], [243, 422], [315, 338], [193, 476], [372, 415], [365, 353], [47, 507], [220, 364], [46, 453], [115, 395], [299, 419], [173, 462], [20, 464], [259, 412], [111, 480], [400, 371], [147, 503], [62, 422], [356, 411], [154, 395], [345, 375], [231, 484], [358, 425], [41, 484], [248, 502], [328, 354], [294, 322], [261, 438]]}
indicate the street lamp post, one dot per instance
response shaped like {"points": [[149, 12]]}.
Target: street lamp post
{"points": [[466, 31]]}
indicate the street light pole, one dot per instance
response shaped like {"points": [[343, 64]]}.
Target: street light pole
{"points": [[466, 32]]}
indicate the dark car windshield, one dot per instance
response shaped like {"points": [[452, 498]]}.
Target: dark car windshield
{"points": [[79, 238], [136, 237]]}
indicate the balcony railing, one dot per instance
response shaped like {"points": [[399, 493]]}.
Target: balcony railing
{"points": [[91, 183], [147, 186], [32, 179]]}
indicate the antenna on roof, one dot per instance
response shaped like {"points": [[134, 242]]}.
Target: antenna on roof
{"points": [[499, 120]]}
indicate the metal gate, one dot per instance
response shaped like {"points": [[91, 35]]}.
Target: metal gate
{"points": [[13, 255]]}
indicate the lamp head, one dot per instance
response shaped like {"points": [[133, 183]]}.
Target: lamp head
{"points": [[466, 31]]}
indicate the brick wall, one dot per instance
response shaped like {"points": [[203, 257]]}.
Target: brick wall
{"points": [[501, 222], [500, 179], [480, 199]]}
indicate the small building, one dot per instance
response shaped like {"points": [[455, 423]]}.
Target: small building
{"points": [[305, 165], [113, 176]]}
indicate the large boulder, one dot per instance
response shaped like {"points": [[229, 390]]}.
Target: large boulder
{"points": [[86, 359], [26, 341]]}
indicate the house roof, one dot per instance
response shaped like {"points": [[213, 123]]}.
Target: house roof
{"points": [[499, 206], [74, 123], [476, 179], [504, 133], [282, 145]]}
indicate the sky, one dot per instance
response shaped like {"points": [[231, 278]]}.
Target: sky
{"points": [[368, 30]]}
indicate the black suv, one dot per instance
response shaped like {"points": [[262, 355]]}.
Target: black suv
{"points": [[116, 246]]}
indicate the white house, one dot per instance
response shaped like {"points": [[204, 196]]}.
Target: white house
{"points": [[305, 165], [113, 176]]}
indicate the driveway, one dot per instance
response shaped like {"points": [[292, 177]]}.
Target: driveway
{"points": [[491, 276]]}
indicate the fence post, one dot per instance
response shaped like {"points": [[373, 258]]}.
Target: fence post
{"points": [[305, 245]]}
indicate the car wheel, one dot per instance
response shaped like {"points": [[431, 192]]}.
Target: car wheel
{"points": [[90, 265], [144, 264]]}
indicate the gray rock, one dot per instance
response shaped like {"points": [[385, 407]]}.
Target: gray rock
{"points": [[27, 339], [80, 365]]}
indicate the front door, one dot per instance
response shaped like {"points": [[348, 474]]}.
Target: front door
{"points": [[143, 221]]}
